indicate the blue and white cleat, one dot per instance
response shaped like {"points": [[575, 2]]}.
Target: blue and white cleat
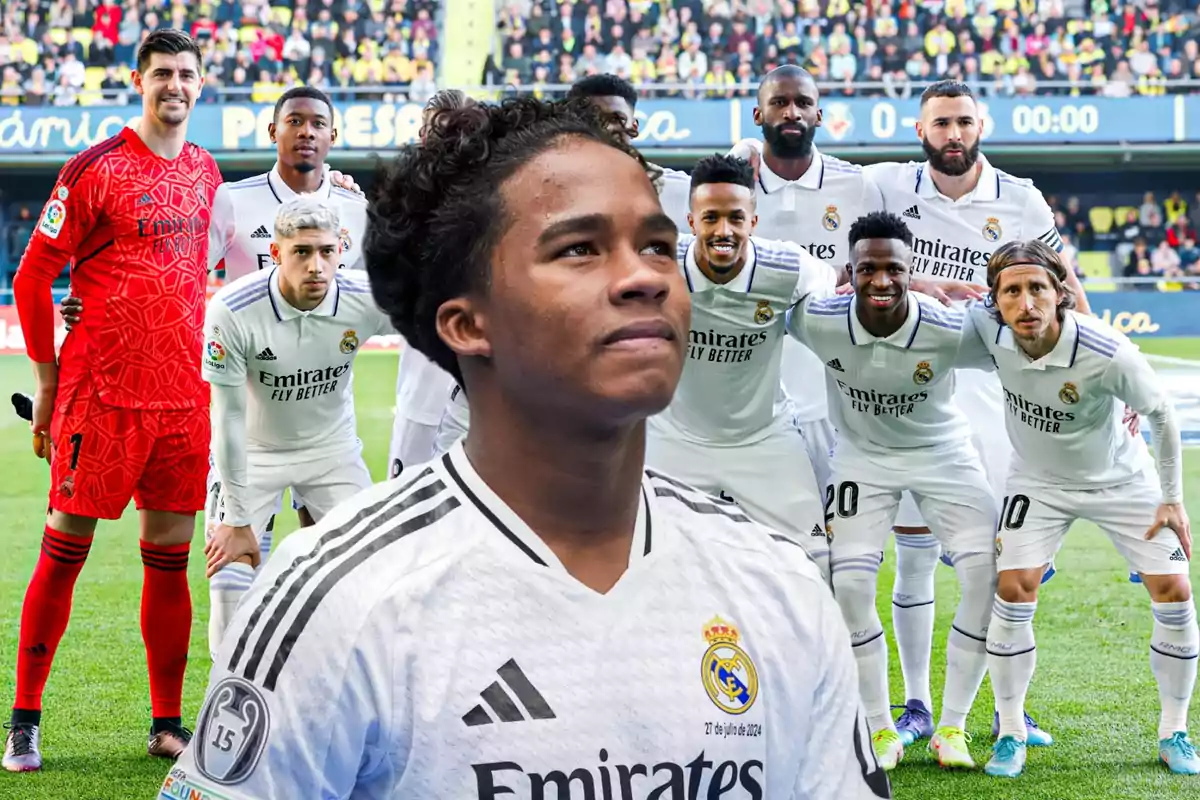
{"points": [[1034, 736], [1049, 573], [1179, 754], [915, 723], [1008, 758], [1135, 578]]}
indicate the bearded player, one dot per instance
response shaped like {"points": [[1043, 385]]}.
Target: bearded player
{"points": [[122, 412]]}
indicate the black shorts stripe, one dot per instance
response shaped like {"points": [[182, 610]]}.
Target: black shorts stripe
{"points": [[488, 513], [316, 551], [74, 170], [701, 508], [343, 569]]}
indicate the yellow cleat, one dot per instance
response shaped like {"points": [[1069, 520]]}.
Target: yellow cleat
{"points": [[888, 747], [949, 747]]}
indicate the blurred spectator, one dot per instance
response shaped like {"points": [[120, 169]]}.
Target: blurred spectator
{"points": [[1140, 266]]}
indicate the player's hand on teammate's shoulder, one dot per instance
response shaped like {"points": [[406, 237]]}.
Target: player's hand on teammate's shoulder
{"points": [[228, 544], [347, 182], [1173, 516], [946, 292], [70, 309]]}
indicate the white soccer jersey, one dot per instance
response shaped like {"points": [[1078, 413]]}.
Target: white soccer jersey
{"points": [[954, 239], [1065, 409], [423, 642], [731, 376], [675, 197], [243, 223], [295, 364], [421, 391], [893, 393]]}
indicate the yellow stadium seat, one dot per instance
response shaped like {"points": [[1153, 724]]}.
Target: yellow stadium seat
{"points": [[281, 15], [1096, 269], [1101, 218], [1121, 214], [248, 33], [58, 36], [93, 77], [90, 97], [83, 36]]}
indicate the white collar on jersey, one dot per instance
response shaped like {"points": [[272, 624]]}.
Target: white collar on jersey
{"points": [[697, 281], [813, 177], [987, 190], [901, 338], [284, 193], [1063, 354], [285, 310], [646, 533]]}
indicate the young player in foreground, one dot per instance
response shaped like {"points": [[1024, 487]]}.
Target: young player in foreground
{"points": [[891, 356], [279, 353], [123, 407], [388, 651], [1067, 378]]}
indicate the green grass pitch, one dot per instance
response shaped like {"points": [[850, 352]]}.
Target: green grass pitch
{"points": [[1093, 688]]}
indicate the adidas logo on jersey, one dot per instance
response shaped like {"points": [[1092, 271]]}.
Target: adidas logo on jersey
{"points": [[265, 355], [145, 199], [1178, 555], [261, 233], [835, 364], [501, 703], [912, 213], [818, 531]]}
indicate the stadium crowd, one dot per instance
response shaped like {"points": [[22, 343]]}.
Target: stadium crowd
{"points": [[65, 53], [716, 48]]}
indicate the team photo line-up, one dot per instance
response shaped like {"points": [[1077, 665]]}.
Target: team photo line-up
{"points": [[679, 412]]}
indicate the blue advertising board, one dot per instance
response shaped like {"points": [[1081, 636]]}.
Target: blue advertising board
{"points": [[1148, 313], [668, 122]]}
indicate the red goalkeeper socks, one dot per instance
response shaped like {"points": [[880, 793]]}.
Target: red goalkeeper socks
{"points": [[166, 623], [46, 611]]}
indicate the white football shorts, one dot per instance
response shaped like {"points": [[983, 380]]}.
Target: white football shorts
{"points": [[770, 478], [323, 485], [978, 395], [1035, 519], [949, 487]]}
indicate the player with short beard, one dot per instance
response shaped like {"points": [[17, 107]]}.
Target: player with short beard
{"points": [[1066, 376], [960, 209]]}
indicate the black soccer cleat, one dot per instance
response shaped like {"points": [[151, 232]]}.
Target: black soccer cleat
{"points": [[23, 405]]}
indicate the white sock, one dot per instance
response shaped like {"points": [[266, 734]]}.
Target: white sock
{"points": [[854, 581], [913, 609], [966, 647], [1012, 658], [1173, 655], [225, 590]]}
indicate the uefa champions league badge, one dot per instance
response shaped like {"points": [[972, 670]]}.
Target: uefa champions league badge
{"points": [[231, 734], [727, 671]]}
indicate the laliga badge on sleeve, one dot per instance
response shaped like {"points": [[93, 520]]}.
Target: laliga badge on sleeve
{"points": [[53, 218]]}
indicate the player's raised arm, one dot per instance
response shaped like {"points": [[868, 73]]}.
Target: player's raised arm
{"points": [[61, 232]]}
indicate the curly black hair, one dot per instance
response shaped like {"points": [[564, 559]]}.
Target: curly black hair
{"points": [[604, 86], [880, 225], [437, 212], [719, 168]]}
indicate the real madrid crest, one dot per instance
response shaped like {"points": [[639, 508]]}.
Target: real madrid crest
{"points": [[923, 374], [763, 313], [728, 674], [831, 221], [999, 546], [349, 342], [344, 239], [992, 230], [1069, 394]]}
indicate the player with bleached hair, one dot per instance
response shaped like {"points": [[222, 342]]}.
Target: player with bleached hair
{"points": [[1067, 378], [279, 351]]}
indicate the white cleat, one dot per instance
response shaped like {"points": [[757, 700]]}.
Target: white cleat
{"points": [[22, 748]]}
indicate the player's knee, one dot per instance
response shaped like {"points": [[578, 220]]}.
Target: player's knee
{"points": [[71, 524], [1168, 588], [167, 528], [854, 585], [977, 576], [1019, 585]]}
